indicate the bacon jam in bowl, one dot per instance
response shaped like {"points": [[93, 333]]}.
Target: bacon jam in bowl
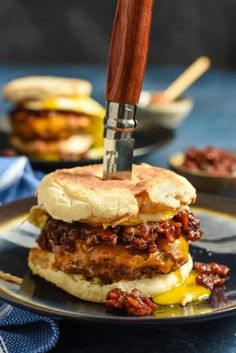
{"points": [[209, 169]]}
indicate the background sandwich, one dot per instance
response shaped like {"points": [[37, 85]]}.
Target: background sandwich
{"points": [[97, 235], [54, 118]]}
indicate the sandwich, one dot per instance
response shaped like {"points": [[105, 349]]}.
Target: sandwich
{"points": [[98, 235], [54, 118]]}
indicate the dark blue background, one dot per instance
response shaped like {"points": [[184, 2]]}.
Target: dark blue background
{"points": [[78, 31]]}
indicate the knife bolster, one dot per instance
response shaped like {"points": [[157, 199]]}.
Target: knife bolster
{"points": [[119, 122]]}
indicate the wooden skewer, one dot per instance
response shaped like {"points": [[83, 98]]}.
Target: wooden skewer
{"points": [[11, 278], [185, 80]]}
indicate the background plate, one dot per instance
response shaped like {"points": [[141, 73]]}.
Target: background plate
{"points": [[218, 217], [206, 182]]}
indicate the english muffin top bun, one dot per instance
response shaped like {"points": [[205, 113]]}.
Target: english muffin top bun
{"points": [[80, 194], [39, 87]]}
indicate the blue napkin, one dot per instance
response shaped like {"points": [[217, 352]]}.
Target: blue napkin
{"points": [[17, 179], [22, 331], [25, 332]]}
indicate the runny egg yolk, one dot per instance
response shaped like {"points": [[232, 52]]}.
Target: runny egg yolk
{"points": [[184, 292]]}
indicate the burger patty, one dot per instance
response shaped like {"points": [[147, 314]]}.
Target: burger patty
{"points": [[122, 252], [47, 124], [113, 264]]}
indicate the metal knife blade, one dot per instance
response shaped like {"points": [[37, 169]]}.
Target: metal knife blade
{"points": [[118, 157]]}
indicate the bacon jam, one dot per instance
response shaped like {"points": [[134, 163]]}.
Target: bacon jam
{"points": [[211, 274], [133, 303], [211, 160], [141, 238]]}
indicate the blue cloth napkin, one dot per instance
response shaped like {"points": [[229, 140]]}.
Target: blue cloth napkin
{"points": [[22, 331], [17, 179], [25, 332]]}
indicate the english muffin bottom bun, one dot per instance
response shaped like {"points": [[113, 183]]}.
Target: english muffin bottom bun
{"points": [[101, 234], [71, 148]]}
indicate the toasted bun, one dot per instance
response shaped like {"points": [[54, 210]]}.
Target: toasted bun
{"points": [[81, 194], [40, 87], [41, 263]]}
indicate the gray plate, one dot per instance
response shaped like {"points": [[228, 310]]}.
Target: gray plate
{"points": [[218, 216]]}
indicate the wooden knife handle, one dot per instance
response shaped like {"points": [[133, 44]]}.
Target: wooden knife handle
{"points": [[128, 50]]}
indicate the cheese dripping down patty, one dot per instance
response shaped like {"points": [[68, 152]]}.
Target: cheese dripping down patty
{"points": [[38, 216]]}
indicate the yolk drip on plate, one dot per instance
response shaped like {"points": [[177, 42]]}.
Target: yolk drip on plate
{"points": [[184, 292]]}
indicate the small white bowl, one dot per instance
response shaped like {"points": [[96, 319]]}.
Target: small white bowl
{"points": [[169, 115]]}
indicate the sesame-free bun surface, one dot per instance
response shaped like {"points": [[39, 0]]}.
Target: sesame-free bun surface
{"points": [[80, 194], [41, 263], [40, 87]]}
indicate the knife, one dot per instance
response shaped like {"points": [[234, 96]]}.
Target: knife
{"points": [[127, 62]]}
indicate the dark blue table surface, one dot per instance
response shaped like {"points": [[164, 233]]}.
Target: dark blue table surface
{"points": [[212, 122]]}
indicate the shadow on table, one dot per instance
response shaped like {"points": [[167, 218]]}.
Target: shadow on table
{"points": [[217, 336]]}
